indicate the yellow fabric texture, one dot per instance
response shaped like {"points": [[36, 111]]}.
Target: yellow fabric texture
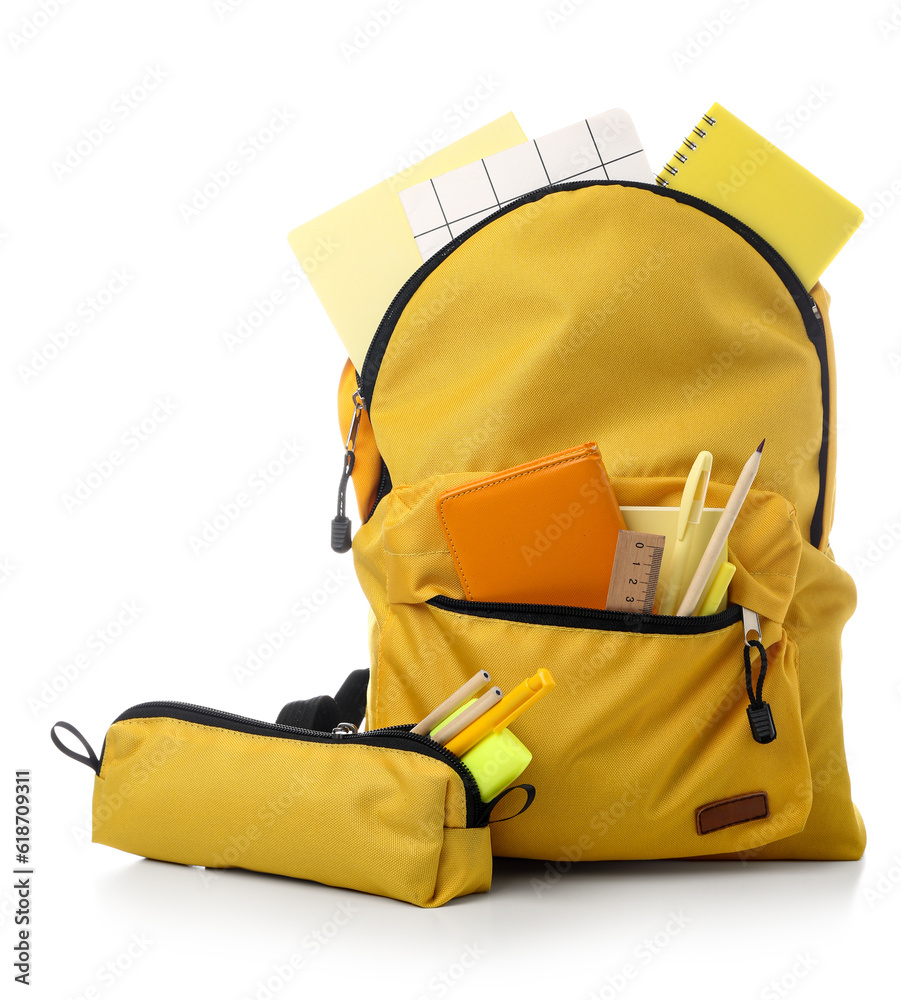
{"points": [[386, 821], [613, 314]]}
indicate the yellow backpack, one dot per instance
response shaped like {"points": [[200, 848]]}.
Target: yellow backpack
{"points": [[658, 326]]}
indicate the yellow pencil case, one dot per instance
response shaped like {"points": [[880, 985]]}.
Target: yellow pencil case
{"points": [[387, 811]]}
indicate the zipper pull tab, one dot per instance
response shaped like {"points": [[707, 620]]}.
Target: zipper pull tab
{"points": [[760, 715], [341, 524]]}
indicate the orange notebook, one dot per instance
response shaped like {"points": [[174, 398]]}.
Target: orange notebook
{"points": [[541, 533]]}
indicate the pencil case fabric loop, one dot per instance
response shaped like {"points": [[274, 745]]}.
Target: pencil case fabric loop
{"points": [[89, 757], [529, 799], [386, 812]]}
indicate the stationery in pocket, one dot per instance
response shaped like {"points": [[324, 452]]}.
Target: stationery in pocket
{"points": [[544, 532]]}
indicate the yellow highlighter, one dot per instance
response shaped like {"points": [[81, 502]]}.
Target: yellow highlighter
{"points": [[690, 511], [508, 709], [710, 601]]}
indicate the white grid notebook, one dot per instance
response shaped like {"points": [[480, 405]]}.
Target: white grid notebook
{"points": [[605, 147]]}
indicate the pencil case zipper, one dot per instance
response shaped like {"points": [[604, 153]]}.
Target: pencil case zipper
{"points": [[810, 313], [390, 737]]}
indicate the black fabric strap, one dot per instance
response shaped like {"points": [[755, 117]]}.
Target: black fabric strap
{"points": [[324, 712], [91, 759], [351, 697], [530, 798], [319, 714]]}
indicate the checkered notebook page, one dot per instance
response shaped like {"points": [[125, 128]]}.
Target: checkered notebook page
{"points": [[605, 147]]}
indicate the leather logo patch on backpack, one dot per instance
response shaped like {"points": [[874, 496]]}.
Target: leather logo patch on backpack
{"points": [[729, 812]]}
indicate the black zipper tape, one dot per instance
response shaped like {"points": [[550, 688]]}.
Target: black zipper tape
{"points": [[384, 487], [391, 737], [608, 621], [810, 314]]}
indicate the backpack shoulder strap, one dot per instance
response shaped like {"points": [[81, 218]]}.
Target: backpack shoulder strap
{"points": [[324, 712]]}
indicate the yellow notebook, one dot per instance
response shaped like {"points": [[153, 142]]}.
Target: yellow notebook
{"points": [[730, 165], [358, 254]]}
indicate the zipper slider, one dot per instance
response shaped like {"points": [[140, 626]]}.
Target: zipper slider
{"points": [[341, 524], [751, 624]]}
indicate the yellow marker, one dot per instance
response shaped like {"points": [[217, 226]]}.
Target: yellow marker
{"points": [[690, 511], [711, 601], [508, 709]]}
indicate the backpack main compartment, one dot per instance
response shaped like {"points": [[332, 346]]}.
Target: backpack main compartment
{"points": [[658, 326]]}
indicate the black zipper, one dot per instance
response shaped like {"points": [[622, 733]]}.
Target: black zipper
{"points": [[384, 487], [392, 737], [608, 621], [810, 314]]}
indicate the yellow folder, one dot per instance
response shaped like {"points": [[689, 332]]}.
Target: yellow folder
{"points": [[357, 255]]}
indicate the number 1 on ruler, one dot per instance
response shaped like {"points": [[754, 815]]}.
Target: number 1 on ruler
{"points": [[636, 569]]}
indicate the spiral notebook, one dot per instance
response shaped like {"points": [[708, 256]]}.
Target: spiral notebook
{"points": [[733, 167]]}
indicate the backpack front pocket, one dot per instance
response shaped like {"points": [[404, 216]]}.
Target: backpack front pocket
{"points": [[645, 749]]}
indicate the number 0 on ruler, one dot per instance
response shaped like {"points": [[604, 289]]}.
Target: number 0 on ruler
{"points": [[636, 568]]}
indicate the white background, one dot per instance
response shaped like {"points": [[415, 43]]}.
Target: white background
{"points": [[824, 930]]}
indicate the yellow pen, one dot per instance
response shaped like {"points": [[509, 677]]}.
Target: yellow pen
{"points": [[509, 708], [690, 511]]}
